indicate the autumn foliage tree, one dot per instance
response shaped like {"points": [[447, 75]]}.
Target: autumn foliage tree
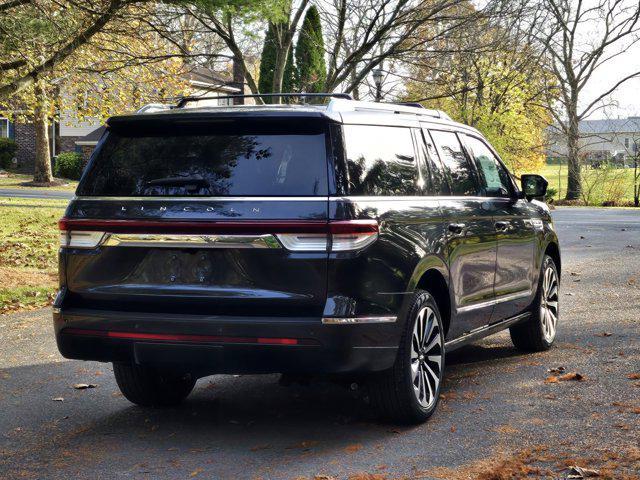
{"points": [[122, 66], [495, 81]]}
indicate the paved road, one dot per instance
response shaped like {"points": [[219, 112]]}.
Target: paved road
{"points": [[29, 193], [497, 415]]}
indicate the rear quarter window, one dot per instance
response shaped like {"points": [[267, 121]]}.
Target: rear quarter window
{"points": [[380, 161], [209, 160]]}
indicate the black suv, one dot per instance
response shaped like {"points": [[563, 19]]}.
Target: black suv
{"points": [[343, 238]]}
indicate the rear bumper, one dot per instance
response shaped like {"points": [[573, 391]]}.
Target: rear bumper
{"points": [[212, 344]]}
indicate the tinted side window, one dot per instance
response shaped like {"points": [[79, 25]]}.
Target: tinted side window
{"points": [[380, 161], [438, 179], [494, 179], [460, 170]]}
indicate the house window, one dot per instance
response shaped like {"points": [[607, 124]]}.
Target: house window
{"points": [[4, 128], [225, 101], [626, 143]]}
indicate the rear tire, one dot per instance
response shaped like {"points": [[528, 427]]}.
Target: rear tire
{"points": [[409, 391], [538, 333], [150, 387]]}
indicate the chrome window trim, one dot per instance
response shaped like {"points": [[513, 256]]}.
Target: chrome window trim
{"points": [[200, 199], [336, 198], [495, 301], [189, 241], [357, 320]]}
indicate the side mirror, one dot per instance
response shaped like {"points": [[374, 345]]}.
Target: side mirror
{"points": [[534, 186]]}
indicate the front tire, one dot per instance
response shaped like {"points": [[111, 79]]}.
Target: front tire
{"points": [[538, 333], [409, 391], [150, 387]]}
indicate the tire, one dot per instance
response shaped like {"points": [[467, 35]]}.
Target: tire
{"points": [[149, 387], [538, 333], [400, 392]]}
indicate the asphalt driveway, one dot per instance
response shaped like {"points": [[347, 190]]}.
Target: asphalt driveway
{"points": [[34, 193], [501, 412]]}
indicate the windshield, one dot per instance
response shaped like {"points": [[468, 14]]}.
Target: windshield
{"points": [[209, 160]]}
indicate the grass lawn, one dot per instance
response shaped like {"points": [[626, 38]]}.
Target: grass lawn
{"points": [[16, 180], [28, 252], [599, 185]]}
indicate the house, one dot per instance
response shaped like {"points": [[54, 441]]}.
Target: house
{"points": [[615, 140], [71, 134]]}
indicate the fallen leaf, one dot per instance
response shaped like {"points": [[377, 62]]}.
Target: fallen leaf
{"points": [[453, 428], [580, 472], [58, 399], [634, 376], [551, 379], [196, 472], [557, 370], [323, 477], [604, 334], [353, 448], [571, 376], [84, 386]]}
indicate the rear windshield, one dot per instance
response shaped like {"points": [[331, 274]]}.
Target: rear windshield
{"points": [[209, 160]]}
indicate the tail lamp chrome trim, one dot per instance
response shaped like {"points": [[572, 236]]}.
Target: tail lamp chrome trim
{"points": [[357, 320], [189, 241]]}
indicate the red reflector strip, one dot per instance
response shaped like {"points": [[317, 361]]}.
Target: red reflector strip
{"points": [[208, 226], [184, 338]]}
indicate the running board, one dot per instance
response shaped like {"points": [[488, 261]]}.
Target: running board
{"points": [[482, 332]]}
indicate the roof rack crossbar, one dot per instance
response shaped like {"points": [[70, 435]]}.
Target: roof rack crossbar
{"points": [[184, 100]]}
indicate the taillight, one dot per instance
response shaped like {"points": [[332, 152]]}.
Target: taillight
{"points": [[79, 239], [298, 236], [341, 236]]}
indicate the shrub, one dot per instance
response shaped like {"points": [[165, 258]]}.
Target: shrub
{"points": [[551, 194], [69, 165], [8, 149]]}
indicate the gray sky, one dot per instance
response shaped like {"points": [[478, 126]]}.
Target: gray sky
{"points": [[628, 95]]}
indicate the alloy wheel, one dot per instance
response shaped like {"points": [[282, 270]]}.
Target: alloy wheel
{"points": [[426, 357], [549, 304]]}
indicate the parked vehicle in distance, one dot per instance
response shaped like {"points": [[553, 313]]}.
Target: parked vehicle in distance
{"points": [[350, 237]]}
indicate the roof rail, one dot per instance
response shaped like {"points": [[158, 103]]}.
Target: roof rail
{"points": [[339, 105], [154, 107], [407, 104], [184, 100]]}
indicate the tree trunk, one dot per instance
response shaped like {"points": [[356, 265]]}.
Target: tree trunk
{"points": [[636, 182], [574, 181], [42, 171], [238, 79]]}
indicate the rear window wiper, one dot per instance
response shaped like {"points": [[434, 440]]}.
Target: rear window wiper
{"points": [[191, 183]]}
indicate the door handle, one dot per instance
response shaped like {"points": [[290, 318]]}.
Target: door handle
{"points": [[456, 228], [502, 226]]}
